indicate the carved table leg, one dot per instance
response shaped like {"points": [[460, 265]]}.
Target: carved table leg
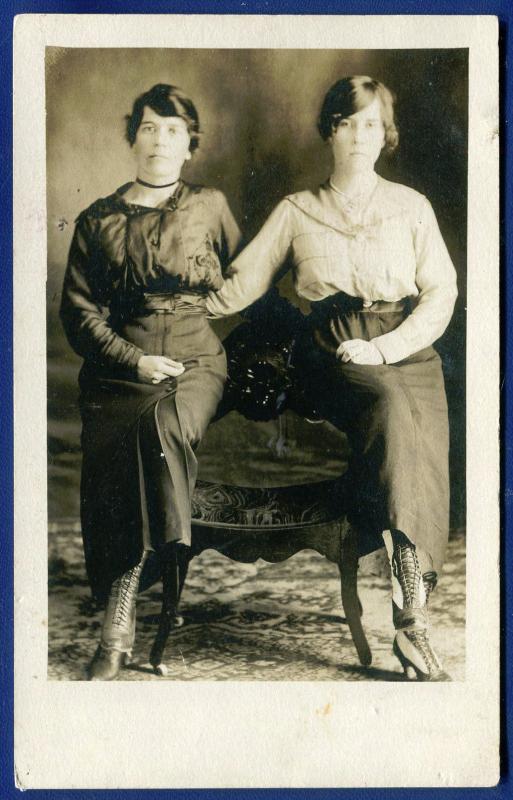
{"points": [[348, 567], [174, 572]]}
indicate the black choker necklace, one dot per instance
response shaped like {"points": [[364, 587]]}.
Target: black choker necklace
{"points": [[155, 186]]}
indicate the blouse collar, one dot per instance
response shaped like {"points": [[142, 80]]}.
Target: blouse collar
{"points": [[169, 204], [324, 206]]}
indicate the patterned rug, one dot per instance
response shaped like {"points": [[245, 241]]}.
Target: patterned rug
{"points": [[250, 621]]}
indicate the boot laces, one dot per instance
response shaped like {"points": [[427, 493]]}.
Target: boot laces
{"points": [[405, 565], [123, 591], [420, 640]]}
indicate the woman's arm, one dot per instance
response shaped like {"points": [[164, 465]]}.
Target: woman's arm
{"points": [[253, 271], [229, 238], [436, 281], [82, 313]]}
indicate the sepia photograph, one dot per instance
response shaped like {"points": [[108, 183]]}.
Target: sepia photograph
{"points": [[258, 269], [256, 364]]}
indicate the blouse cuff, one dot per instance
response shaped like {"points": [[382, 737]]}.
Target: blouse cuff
{"points": [[392, 347], [132, 358]]}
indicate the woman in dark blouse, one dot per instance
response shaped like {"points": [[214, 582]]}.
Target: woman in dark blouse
{"points": [[133, 306]]}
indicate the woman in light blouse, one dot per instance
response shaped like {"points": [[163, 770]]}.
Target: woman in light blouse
{"points": [[369, 256]]}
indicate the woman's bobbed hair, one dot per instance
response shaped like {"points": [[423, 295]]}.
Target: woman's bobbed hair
{"points": [[166, 101], [351, 94]]}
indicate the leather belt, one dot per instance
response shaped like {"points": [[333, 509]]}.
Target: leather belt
{"points": [[383, 306], [342, 303]]}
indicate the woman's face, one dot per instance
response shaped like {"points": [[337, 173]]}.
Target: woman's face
{"points": [[359, 139], [161, 147]]}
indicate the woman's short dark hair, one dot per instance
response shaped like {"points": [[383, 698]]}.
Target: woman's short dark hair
{"points": [[166, 101], [351, 94]]}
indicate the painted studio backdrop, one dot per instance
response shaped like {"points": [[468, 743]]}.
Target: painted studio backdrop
{"points": [[258, 112]]}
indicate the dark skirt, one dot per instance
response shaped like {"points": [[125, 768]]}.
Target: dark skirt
{"points": [[138, 442], [396, 420]]}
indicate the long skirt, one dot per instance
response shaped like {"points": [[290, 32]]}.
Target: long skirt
{"points": [[138, 442], [396, 420]]}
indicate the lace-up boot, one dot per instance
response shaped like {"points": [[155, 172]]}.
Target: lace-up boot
{"points": [[411, 644], [118, 629]]}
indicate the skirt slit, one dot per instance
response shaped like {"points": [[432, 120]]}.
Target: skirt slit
{"points": [[138, 442]]}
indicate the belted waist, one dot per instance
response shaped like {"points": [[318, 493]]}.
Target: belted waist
{"points": [[173, 303], [342, 303]]}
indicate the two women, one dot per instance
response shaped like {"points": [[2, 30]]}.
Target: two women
{"points": [[133, 306], [369, 257]]}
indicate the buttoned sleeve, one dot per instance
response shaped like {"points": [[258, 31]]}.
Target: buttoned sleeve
{"points": [[83, 309], [436, 282], [253, 271]]}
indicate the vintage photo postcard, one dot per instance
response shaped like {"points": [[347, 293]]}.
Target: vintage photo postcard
{"points": [[256, 273]]}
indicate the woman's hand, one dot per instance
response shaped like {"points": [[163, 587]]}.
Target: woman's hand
{"points": [[358, 351], [154, 369]]}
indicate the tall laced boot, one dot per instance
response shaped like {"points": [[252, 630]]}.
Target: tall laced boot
{"points": [[409, 604], [118, 629]]}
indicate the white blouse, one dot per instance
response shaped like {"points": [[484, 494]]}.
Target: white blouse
{"points": [[390, 250]]}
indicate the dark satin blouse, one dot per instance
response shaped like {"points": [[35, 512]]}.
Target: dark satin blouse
{"points": [[122, 251]]}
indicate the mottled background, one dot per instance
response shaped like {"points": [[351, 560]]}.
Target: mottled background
{"points": [[258, 111]]}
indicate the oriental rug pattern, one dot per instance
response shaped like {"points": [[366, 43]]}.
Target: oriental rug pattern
{"points": [[261, 621]]}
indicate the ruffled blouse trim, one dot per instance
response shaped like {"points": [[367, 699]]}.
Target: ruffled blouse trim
{"points": [[116, 203]]}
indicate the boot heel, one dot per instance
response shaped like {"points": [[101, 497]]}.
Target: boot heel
{"points": [[417, 640], [408, 668]]}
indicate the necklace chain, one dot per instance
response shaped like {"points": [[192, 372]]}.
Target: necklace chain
{"points": [[353, 202]]}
